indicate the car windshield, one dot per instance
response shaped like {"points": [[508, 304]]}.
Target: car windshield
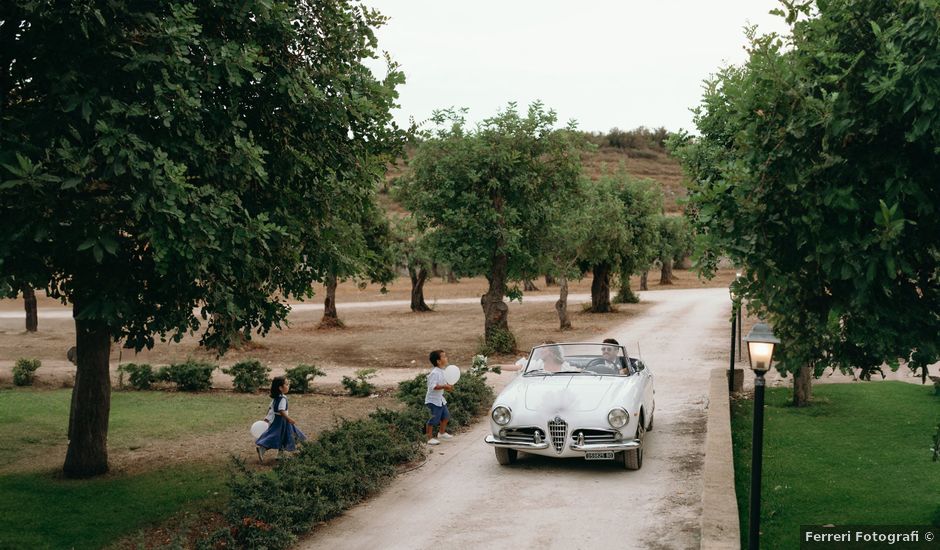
{"points": [[594, 359]]}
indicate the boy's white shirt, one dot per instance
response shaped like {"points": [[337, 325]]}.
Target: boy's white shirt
{"points": [[435, 378]]}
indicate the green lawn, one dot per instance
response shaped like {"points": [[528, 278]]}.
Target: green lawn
{"points": [[34, 421], [41, 510], [859, 455]]}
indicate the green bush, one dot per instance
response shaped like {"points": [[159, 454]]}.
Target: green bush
{"points": [[248, 376], [189, 376], [140, 376], [340, 468], [360, 386], [268, 509], [23, 371], [502, 341], [301, 376]]}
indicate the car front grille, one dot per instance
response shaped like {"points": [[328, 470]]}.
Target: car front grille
{"points": [[596, 436], [522, 435], [558, 429]]}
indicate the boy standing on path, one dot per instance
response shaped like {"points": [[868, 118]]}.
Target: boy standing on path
{"points": [[434, 399]]}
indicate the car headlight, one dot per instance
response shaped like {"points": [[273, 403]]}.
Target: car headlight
{"points": [[618, 418], [501, 415]]}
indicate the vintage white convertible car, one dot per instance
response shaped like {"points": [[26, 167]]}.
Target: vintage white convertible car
{"points": [[585, 400]]}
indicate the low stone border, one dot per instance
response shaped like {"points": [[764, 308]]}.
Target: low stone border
{"points": [[719, 523]]}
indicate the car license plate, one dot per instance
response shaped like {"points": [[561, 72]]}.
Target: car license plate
{"points": [[599, 455]]}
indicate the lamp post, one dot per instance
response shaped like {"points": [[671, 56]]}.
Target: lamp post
{"points": [[734, 324], [740, 321], [735, 331], [760, 352]]}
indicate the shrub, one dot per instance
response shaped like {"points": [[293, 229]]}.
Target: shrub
{"points": [[502, 341], [342, 466], [301, 376], [248, 376], [141, 376], [469, 397], [23, 371], [189, 376], [360, 386]]}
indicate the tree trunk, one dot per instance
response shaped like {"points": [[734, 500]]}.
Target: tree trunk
{"points": [[561, 306], [550, 281], [418, 277], [529, 286], [666, 277], [803, 387], [87, 453], [644, 277], [330, 318], [451, 278], [600, 289], [29, 302], [495, 310]]}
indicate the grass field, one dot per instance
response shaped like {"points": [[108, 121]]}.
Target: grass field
{"points": [[39, 509], [35, 421], [859, 455]]}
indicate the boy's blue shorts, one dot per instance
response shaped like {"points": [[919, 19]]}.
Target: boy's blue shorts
{"points": [[438, 413]]}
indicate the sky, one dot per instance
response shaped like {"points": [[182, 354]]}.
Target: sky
{"points": [[602, 63]]}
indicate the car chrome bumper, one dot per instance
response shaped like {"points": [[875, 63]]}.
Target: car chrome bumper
{"points": [[497, 442], [619, 446]]}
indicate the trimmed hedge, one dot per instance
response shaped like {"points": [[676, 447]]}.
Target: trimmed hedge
{"points": [[340, 468], [301, 376], [248, 376], [141, 377], [189, 376], [23, 371]]}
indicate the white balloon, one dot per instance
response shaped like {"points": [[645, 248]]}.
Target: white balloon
{"points": [[258, 428], [452, 374]]}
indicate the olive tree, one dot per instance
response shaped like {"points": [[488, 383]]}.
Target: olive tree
{"points": [[167, 168], [816, 169], [486, 191]]}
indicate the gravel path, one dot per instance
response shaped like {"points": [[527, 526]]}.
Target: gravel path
{"points": [[462, 498]]}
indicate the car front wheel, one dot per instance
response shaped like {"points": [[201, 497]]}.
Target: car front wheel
{"points": [[633, 460], [506, 456]]}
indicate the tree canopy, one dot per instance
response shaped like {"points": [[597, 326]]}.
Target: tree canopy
{"points": [[486, 191], [816, 169], [160, 158]]}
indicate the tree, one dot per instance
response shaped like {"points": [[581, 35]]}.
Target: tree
{"points": [[643, 201], [816, 170], [620, 234], [486, 191], [673, 244], [361, 249], [158, 157], [561, 243], [414, 249]]}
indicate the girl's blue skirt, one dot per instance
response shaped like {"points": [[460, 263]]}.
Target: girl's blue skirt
{"points": [[281, 435]]}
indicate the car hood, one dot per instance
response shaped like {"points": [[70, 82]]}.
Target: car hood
{"points": [[572, 393]]}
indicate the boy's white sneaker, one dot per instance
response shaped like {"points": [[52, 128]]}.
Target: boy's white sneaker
{"points": [[445, 436], [433, 441]]}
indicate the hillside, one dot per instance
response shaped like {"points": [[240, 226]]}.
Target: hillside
{"points": [[651, 163]]}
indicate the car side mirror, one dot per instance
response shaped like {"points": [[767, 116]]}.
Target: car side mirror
{"points": [[638, 365]]}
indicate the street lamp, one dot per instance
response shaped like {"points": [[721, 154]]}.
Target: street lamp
{"points": [[734, 324], [735, 330], [760, 352], [737, 276]]}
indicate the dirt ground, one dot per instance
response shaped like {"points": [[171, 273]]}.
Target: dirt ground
{"points": [[390, 337]]}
